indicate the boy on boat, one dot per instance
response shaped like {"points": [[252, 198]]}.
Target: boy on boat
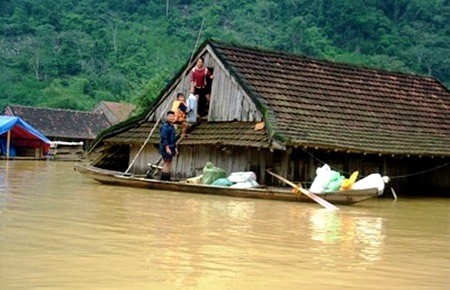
{"points": [[167, 145]]}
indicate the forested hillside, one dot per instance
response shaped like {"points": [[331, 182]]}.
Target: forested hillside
{"points": [[73, 53]]}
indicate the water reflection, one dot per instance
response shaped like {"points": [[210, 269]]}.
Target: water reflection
{"points": [[196, 238], [348, 236], [4, 169]]}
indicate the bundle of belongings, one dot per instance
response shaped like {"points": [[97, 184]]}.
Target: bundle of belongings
{"points": [[213, 175], [328, 180]]}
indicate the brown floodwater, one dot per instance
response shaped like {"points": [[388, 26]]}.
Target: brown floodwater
{"points": [[59, 230]]}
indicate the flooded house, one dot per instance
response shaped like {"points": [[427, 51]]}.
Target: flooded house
{"points": [[292, 114], [19, 140], [70, 131]]}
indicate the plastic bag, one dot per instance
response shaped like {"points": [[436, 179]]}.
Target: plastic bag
{"points": [[335, 184], [211, 173], [246, 184], [222, 182], [371, 181], [323, 177], [242, 176], [348, 183]]}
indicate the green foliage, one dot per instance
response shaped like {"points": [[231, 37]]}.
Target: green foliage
{"points": [[151, 91], [67, 94], [72, 54]]}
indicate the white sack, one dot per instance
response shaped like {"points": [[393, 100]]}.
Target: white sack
{"points": [[237, 177], [323, 177], [246, 184], [371, 181]]}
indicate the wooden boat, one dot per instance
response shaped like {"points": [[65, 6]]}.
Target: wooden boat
{"points": [[275, 193]]}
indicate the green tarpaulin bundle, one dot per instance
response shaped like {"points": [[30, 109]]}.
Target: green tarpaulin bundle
{"points": [[211, 173]]}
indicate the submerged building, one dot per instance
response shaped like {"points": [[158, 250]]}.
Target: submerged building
{"points": [[293, 114], [18, 139], [61, 124]]}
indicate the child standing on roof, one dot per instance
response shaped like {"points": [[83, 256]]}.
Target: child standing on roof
{"points": [[180, 109]]}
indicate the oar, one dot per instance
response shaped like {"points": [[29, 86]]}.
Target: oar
{"points": [[309, 194]]}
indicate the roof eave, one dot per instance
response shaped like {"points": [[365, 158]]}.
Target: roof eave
{"points": [[363, 151]]}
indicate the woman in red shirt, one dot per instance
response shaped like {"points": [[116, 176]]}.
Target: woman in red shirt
{"points": [[198, 86]]}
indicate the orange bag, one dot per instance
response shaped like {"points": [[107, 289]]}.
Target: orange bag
{"points": [[348, 182]]}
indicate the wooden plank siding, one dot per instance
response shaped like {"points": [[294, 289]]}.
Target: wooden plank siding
{"points": [[300, 166], [228, 100], [192, 159]]}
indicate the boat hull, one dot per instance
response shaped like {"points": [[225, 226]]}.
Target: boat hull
{"points": [[273, 193]]}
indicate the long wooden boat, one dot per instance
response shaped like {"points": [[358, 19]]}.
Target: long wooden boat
{"points": [[347, 197]]}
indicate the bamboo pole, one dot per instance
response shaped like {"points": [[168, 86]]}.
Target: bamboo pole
{"points": [[148, 138], [167, 107]]}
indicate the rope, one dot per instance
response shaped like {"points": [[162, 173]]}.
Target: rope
{"points": [[420, 172], [391, 177], [196, 42]]}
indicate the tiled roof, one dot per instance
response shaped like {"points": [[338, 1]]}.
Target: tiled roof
{"points": [[211, 133], [62, 123], [121, 110], [228, 133], [334, 106], [137, 134]]}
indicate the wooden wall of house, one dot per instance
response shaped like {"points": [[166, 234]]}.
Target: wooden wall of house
{"points": [[232, 159], [150, 154], [429, 176], [409, 175], [228, 100], [192, 159]]}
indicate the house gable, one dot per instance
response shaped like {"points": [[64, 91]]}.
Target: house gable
{"points": [[229, 101], [114, 112]]}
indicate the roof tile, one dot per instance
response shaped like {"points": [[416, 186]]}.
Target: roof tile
{"points": [[330, 105], [62, 123]]}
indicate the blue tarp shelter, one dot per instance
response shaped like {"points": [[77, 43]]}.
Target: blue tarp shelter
{"points": [[15, 132]]}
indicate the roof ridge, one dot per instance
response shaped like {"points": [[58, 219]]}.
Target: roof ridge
{"points": [[53, 109], [337, 64]]}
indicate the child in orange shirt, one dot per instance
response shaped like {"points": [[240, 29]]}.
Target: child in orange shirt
{"points": [[181, 109]]}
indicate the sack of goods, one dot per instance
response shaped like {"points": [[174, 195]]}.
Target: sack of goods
{"points": [[245, 184], [371, 181], [222, 182], [237, 177], [323, 177], [245, 179], [211, 173]]}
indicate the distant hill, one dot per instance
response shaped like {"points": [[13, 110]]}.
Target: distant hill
{"points": [[73, 54]]}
